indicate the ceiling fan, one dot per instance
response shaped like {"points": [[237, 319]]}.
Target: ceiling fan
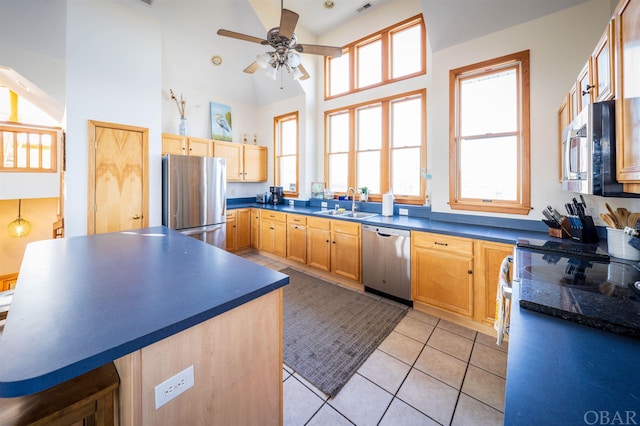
{"points": [[286, 48]]}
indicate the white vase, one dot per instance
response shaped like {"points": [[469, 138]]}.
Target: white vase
{"points": [[182, 129]]}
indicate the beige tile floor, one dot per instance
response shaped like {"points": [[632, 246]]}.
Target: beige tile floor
{"points": [[428, 371]]}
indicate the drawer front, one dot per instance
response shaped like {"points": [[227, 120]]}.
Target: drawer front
{"points": [[296, 219], [231, 214], [344, 227], [442, 242], [315, 222], [275, 216]]}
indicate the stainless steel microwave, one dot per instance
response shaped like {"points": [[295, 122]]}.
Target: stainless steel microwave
{"points": [[589, 152]]}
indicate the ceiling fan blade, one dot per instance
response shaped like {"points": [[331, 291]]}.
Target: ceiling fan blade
{"points": [[240, 36], [305, 74], [315, 49], [288, 22], [252, 68]]}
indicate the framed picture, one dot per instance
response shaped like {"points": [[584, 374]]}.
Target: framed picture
{"points": [[221, 122]]}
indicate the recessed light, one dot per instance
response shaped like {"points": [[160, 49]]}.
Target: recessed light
{"points": [[328, 4], [216, 60]]}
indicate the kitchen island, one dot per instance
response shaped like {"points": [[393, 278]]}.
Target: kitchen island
{"points": [[154, 302]]}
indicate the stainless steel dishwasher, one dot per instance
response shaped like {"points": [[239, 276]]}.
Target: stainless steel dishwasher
{"points": [[386, 262]]}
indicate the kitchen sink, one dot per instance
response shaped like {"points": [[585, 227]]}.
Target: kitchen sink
{"points": [[358, 215], [346, 215]]}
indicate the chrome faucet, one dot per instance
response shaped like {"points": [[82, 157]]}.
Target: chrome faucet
{"points": [[353, 199]]}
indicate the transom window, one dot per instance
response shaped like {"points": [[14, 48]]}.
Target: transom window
{"points": [[379, 145], [490, 135], [286, 152], [392, 54]]}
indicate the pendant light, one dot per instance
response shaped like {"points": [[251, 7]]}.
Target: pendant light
{"points": [[19, 227]]}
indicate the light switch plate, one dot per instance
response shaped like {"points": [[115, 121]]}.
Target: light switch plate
{"points": [[174, 386], [323, 204], [403, 212]]}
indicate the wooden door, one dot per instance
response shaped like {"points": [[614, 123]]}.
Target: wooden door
{"points": [[267, 230], [233, 153], [488, 262], [173, 144], [255, 228], [319, 246], [200, 147], [297, 242], [602, 67], [584, 86], [232, 231], [118, 187], [564, 118]]}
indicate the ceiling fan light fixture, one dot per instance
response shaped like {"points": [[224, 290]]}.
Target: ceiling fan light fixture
{"points": [[293, 59], [263, 59], [272, 72]]}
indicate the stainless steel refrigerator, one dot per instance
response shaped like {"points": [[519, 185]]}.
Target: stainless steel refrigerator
{"points": [[194, 199]]}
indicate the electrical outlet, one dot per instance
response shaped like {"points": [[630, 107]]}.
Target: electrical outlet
{"points": [[403, 212], [174, 386], [323, 204]]}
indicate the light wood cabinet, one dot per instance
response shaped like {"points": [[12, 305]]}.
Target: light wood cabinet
{"points": [[602, 67], [8, 282], [442, 271], [185, 145], [488, 259], [584, 87], [564, 118], [245, 163], [273, 232], [627, 90], [297, 238], [238, 229], [346, 250], [255, 228], [319, 243]]}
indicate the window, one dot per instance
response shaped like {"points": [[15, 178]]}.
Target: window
{"points": [[489, 122], [393, 54], [286, 152], [25, 148], [380, 145]]}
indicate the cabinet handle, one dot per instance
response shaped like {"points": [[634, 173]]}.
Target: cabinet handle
{"points": [[136, 216], [334, 242], [272, 228], [469, 272], [587, 89], [440, 244], [327, 241]]}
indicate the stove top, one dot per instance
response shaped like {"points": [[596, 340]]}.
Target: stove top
{"points": [[585, 288]]}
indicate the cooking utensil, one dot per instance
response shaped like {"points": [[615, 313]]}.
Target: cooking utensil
{"points": [[623, 216], [613, 216], [609, 220], [551, 224], [633, 219]]}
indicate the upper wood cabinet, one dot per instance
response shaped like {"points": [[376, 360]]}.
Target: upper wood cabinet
{"points": [[584, 87], [245, 163], [602, 67], [186, 145], [564, 118], [627, 89]]}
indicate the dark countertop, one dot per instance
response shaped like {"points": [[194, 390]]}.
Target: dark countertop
{"points": [[564, 373], [84, 301], [508, 235]]}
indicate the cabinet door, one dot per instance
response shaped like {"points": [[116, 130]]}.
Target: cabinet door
{"points": [[200, 147], [627, 40], [255, 228], [319, 248], [297, 242], [267, 230], [233, 153], [280, 238], [255, 163], [584, 86], [574, 107], [488, 262], [564, 118], [442, 279], [231, 231], [174, 144], [345, 255], [602, 67], [243, 230]]}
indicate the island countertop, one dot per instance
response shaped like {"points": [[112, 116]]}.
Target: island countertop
{"points": [[82, 302]]}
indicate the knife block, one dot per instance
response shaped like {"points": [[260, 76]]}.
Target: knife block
{"points": [[563, 231], [587, 232]]}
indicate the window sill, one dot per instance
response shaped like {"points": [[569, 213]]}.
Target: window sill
{"points": [[490, 207]]}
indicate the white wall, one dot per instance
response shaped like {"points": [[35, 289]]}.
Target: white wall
{"points": [[113, 74], [559, 48]]}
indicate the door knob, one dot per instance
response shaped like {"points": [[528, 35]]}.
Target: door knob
{"points": [[136, 216]]}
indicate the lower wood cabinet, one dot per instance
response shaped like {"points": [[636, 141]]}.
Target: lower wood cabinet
{"points": [[255, 228], [297, 238], [273, 232], [442, 271], [489, 256], [238, 229], [346, 250], [319, 243]]}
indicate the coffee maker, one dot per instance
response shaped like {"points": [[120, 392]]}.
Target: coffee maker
{"points": [[277, 194]]}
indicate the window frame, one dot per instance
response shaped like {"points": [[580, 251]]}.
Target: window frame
{"points": [[384, 36], [277, 132], [523, 204], [386, 148], [15, 128]]}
